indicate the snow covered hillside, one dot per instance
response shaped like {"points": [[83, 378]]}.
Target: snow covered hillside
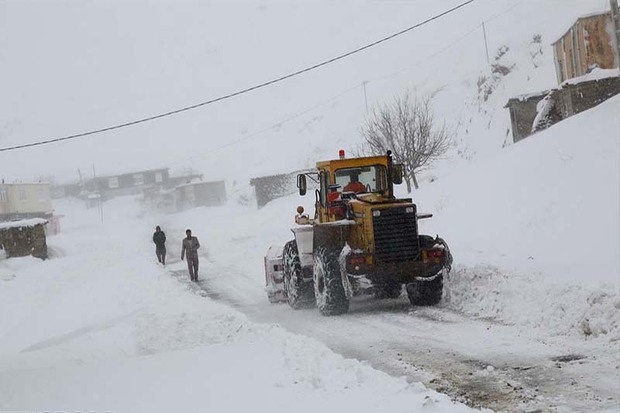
{"points": [[545, 211]]}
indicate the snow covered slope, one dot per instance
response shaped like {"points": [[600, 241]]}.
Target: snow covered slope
{"points": [[546, 211]]}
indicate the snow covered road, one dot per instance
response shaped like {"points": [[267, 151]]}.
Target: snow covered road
{"points": [[481, 363]]}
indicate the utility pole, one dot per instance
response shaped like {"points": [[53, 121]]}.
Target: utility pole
{"points": [[98, 193], [615, 16], [486, 45], [365, 95]]}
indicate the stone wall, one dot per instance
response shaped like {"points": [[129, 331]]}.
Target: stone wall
{"points": [[575, 98], [522, 114], [566, 101], [23, 241]]}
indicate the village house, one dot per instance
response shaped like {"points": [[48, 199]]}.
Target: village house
{"points": [[587, 58], [588, 43]]}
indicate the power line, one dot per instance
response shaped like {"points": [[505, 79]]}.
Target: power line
{"points": [[268, 128], [445, 48], [240, 92]]}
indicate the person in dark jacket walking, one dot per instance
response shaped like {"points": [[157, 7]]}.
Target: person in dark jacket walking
{"points": [[159, 238], [190, 248]]}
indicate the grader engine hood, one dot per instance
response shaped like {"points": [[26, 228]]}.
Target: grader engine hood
{"points": [[387, 229]]}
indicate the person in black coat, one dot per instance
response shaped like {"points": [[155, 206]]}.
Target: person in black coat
{"points": [[159, 238]]}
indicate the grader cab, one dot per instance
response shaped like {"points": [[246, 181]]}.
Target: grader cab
{"points": [[361, 240]]}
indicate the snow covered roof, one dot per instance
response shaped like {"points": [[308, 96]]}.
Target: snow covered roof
{"points": [[525, 97], [596, 74], [192, 182], [23, 223], [585, 16], [24, 183]]}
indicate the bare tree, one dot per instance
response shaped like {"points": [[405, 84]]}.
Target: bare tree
{"points": [[408, 128]]}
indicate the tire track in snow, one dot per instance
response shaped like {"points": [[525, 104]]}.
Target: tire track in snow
{"points": [[477, 362]]}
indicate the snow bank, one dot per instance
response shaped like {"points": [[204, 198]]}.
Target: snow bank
{"points": [[596, 74], [102, 327], [535, 230]]}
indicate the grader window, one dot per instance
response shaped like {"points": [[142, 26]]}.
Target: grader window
{"points": [[371, 178]]}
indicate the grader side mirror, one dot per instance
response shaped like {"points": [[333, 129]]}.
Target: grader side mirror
{"points": [[397, 173], [302, 184]]}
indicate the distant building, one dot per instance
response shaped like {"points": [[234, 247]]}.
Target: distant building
{"points": [[66, 190], [590, 42], [25, 200], [195, 194], [127, 183], [268, 188]]}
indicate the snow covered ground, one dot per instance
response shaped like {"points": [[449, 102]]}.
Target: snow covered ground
{"points": [[531, 316], [102, 327], [521, 241]]}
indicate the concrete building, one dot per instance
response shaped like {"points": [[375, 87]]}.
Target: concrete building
{"points": [[25, 200]]}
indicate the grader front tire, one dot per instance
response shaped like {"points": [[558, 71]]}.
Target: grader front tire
{"points": [[299, 293], [329, 290]]}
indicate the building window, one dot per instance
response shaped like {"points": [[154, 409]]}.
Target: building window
{"points": [[159, 177], [41, 196], [113, 182], [138, 179], [4, 195], [22, 194]]}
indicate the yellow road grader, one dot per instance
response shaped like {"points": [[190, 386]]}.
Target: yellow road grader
{"points": [[361, 240]]}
